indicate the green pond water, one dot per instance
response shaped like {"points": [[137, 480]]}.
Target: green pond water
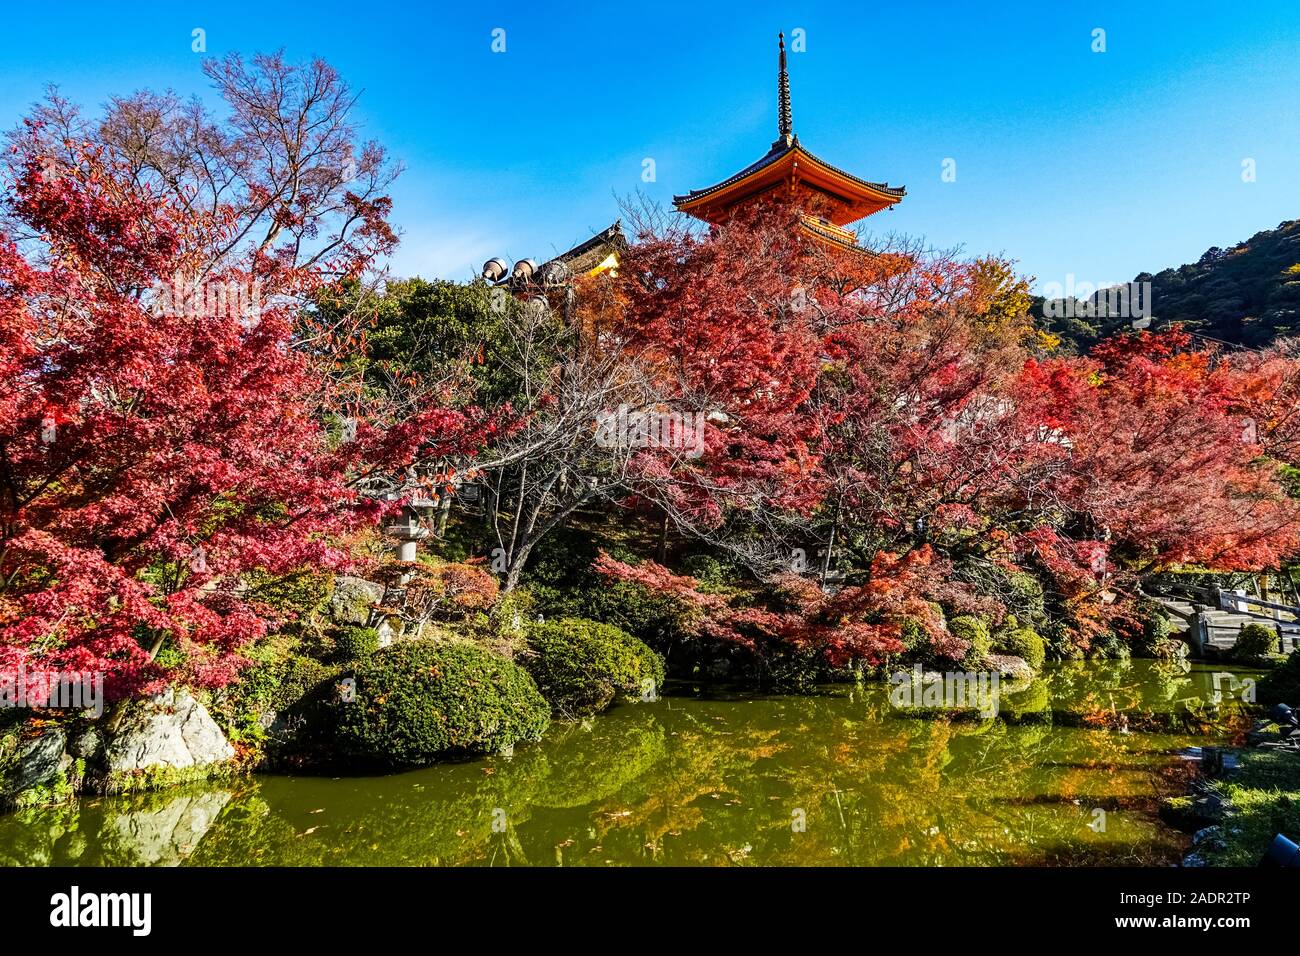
{"points": [[1068, 773]]}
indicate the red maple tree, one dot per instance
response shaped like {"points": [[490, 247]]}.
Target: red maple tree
{"points": [[156, 445]]}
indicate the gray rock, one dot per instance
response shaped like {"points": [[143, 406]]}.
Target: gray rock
{"points": [[1010, 667], [171, 729], [1209, 837], [164, 834], [352, 599], [86, 742], [38, 763]]}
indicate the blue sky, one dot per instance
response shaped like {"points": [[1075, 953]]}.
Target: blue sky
{"points": [[1069, 161]]}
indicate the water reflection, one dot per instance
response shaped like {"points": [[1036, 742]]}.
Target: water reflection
{"points": [[1067, 773]]}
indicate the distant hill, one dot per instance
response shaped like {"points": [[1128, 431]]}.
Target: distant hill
{"points": [[1247, 295]]}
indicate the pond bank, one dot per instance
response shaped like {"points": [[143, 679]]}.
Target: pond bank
{"points": [[1234, 817], [1070, 772]]}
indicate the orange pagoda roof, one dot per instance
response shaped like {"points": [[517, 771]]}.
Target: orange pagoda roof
{"points": [[836, 197]]}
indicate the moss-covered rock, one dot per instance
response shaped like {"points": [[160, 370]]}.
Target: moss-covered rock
{"points": [[34, 768], [582, 666], [1023, 642], [352, 599], [170, 731], [417, 701]]}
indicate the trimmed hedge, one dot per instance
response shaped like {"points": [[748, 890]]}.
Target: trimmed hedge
{"points": [[1254, 642], [582, 666], [416, 701], [353, 642]]}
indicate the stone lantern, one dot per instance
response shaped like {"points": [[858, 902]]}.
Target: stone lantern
{"points": [[407, 532]]}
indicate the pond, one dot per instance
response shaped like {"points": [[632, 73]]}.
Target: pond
{"points": [[1068, 773]]}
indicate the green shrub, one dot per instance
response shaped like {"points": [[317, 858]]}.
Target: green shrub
{"points": [[582, 666], [634, 608], [1023, 642], [1026, 597], [296, 594], [353, 642], [640, 611], [561, 583], [297, 678], [277, 679], [976, 633], [704, 568], [1109, 646], [1152, 633], [1254, 641], [416, 701], [1060, 641], [1282, 684], [913, 635]]}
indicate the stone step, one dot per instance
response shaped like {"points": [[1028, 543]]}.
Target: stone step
{"points": [[1228, 618]]}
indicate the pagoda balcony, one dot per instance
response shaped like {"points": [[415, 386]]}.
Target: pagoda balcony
{"points": [[819, 225]]}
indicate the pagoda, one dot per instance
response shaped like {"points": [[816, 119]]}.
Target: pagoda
{"points": [[828, 198]]}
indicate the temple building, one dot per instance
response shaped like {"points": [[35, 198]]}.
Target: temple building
{"points": [[827, 198]]}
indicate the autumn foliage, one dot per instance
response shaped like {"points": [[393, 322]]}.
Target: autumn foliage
{"points": [[153, 452], [896, 418], [929, 434]]}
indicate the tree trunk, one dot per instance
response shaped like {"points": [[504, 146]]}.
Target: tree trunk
{"points": [[830, 544], [515, 567], [444, 512]]}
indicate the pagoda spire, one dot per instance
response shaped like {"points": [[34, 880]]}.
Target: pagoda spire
{"points": [[785, 120]]}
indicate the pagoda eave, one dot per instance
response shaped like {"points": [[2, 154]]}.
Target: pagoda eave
{"points": [[832, 237], [849, 198]]}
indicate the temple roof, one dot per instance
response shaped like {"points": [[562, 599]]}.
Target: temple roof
{"points": [[788, 162], [591, 255]]}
